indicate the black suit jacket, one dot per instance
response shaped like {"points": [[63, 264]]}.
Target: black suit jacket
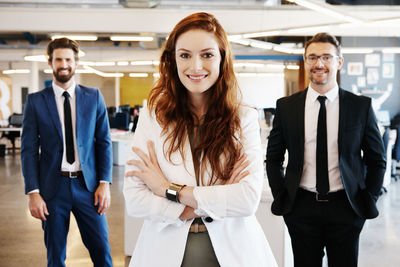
{"points": [[361, 152]]}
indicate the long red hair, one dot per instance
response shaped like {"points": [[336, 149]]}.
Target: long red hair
{"points": [[170, 101]]}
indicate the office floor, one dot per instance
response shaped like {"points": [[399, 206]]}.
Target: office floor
{"points": [[21, 236]]}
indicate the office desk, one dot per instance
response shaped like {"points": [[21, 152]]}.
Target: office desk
{"points": [[12, 138], [10, 129], [120, 144]]}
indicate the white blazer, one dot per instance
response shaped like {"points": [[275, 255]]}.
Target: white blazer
{"points": [[236, 236]]}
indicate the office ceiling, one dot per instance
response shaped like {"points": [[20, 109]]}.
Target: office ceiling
{"points": [[27, 25]]}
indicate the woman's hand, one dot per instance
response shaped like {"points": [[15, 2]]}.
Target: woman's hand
{"points": [[239, 172], [188, 213], [149, 170]]}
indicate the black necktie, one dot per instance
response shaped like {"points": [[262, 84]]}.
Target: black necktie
{"points": [[69, 140], [322, 150]]}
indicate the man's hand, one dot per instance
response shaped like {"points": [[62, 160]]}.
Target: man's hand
{"points": [[37, 206], [102, 197]]}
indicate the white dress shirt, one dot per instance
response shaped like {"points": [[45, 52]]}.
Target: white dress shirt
{"points": [[312, 105], [58, 93]]}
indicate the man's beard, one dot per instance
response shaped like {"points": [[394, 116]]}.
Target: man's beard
{"points": [[314, 81], [318, 82], [63, 78]]}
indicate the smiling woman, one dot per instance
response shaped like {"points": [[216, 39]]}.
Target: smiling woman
{"points": [[196, 171], [198, 67]]}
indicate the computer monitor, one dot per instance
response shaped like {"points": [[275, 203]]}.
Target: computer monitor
{"points": [[124, 108]]}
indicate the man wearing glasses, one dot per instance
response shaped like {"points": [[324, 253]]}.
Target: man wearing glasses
{"points": [[336, 162]]}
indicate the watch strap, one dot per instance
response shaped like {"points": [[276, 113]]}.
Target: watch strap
{"points": [[172, 193]]}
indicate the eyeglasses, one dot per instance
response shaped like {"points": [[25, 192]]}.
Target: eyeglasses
{"points": [[326, 59]]}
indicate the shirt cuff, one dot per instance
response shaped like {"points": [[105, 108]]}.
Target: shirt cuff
{"points": [[104, 182], [33, 191]]}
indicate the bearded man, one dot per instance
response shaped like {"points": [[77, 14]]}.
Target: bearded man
{"points": [[66, 158]]}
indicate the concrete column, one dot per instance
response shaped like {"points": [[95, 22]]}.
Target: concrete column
{"points": [[34, 77], [117, 96]]}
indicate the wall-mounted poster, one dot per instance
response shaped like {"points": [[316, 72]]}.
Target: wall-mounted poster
{"points": [[388, 57], [354, 68], [388, 70], [372, 60], [361, 82], [372, 75]]}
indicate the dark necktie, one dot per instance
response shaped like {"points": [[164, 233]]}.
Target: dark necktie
{"points": [[69, 140], [322, 150]]}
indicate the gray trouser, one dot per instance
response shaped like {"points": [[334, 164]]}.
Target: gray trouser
{"points": [[199, 251]]}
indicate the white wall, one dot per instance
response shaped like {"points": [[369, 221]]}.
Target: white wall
{"points": [[262, 92], [106, 86]]}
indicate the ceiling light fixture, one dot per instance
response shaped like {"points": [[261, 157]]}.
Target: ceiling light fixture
{"points": [[245, 42], [261, 34], [16, 71], [139, 75], [292, 67], [50, 71], [261, 44], [144, 62], [357, 50], [322, 7], [36, 58], [75, 37], [118, 38], [104, 63], [104, 74], [122, 63], [391, 50], [312, 29], [44, 58]]}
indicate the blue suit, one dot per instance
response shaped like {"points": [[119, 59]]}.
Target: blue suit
{"points": [[41, 157]]}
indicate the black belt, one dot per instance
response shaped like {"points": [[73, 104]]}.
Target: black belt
{"points": [[322, 198], [198, 226], [72, 174]]}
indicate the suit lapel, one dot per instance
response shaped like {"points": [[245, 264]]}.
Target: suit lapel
{"points": [[342, 117], [299, 109], [52, 109], [80, 114]]}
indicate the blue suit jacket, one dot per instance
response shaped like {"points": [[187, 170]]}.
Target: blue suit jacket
{"points": [[42, 141]]}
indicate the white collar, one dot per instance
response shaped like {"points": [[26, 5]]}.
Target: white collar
{"points": [[58, 91], [331, 94]]}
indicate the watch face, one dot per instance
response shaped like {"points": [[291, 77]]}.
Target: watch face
{"points": [[172, 192], [172, 195]]}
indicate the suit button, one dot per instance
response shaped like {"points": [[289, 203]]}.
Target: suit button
{"points": [[209, 219]]}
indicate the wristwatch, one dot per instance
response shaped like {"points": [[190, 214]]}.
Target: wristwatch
{"points": [[172, 193]]}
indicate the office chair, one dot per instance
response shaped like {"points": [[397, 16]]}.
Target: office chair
{"points": [[15, 120], [111, 111], [122, 121], [385, 139], [396, 155]]}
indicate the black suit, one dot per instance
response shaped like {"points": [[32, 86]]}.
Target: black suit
{"points": [[362, 176]]}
